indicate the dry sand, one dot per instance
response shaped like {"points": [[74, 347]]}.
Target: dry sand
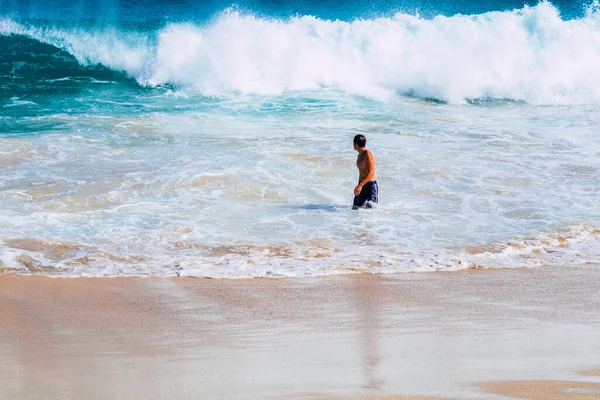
{"points": [[529, 333]]}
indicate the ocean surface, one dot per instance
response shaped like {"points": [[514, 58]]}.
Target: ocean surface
{"points": [[214, 139]]}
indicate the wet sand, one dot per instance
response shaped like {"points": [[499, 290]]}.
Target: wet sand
{"points": [[478, 334]]}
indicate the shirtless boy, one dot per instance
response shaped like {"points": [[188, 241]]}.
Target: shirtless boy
{"points": [[366, 192]]}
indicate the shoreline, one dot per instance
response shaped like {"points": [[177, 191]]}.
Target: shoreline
{"points": [[11, 272], [467, 334]]}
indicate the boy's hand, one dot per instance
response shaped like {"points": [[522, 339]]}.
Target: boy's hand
{"points": [[357, 190]]}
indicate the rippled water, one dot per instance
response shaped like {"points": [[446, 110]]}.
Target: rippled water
{"points": [[182, 161]]}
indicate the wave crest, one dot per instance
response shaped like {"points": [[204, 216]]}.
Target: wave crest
{"points": [[528, 55], [27, 65]]}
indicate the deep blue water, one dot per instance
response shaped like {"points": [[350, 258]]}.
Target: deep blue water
{"points": [[53, 52], [214, 139], [189, 10]]}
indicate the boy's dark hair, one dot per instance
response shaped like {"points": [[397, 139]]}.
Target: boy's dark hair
{"points": [[360, 140]]}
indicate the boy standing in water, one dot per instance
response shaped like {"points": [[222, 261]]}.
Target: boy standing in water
{"points": [[366, 192]]}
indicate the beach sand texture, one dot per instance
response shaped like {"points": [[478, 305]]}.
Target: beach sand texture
{"points": [[494, 334]]}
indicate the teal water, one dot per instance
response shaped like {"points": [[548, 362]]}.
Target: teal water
{"points": [[216, 141]]}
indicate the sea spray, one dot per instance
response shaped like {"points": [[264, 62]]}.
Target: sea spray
{"points": [[530, 55], [223, 148]]}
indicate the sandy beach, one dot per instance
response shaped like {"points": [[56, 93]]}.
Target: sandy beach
{"points": [[478, 334]]}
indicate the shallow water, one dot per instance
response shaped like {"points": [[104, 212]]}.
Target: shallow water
{"points": [[223, 148]]}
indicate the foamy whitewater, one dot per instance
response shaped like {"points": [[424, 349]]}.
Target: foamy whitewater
{"points": [[219, 144]]}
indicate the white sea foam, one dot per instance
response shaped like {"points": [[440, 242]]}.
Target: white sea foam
{"points": [[251, 184], [576, 245], [529, 54], [205, 194]]}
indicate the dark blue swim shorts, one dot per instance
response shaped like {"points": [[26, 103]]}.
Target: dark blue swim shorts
{"points": [[368, 194]]}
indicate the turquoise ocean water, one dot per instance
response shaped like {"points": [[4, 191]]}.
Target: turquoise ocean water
{"points": [[215, 139]]}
